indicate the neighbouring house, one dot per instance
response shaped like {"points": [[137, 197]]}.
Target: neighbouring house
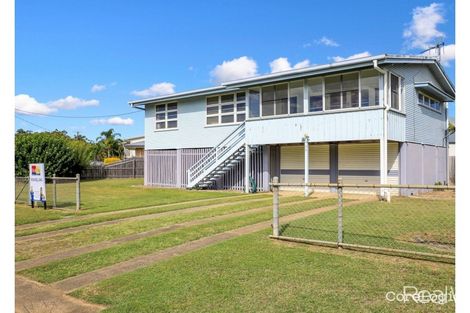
{"points": [[134, 147], [452, 145], [379, 119]]}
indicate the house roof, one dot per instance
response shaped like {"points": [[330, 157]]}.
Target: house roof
{"points": [[134, 138], [137, 144], [229, 86]]}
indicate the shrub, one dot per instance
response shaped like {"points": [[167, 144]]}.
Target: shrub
{"points": [[60, 154], [111, 160]]}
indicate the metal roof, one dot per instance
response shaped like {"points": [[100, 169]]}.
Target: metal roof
{"points": [[304, 72]]}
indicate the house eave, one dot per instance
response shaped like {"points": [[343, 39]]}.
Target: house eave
{"points": [[232, 86], [429, 88]]}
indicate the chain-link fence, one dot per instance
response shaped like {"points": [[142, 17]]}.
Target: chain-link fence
{"points": [[61, 192], [411, 220]]}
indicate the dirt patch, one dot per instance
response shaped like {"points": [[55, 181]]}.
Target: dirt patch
{"points": [[436, 195], [441, 242], [33, 297]]}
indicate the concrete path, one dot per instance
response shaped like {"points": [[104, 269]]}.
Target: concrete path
{"points": [[132, 218], [31, 296], [22, 265], [169, 205], [79, 281]]}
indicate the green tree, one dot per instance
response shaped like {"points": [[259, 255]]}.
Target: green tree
{"points": [[109, 144], [51, 148]]}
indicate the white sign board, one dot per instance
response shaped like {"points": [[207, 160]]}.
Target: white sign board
{"points": [[37, 181]]}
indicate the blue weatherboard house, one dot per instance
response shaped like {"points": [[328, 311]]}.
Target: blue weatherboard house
{"points": [[380, 119]]}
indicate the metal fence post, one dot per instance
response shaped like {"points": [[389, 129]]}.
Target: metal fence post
{"points": [[133, 168], [77, 192], [275, 206], [54, 192], [340, 211]]}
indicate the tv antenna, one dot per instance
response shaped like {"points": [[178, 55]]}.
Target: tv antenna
{"points": [[437, 48]]}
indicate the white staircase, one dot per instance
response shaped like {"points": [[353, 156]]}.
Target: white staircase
{"points": [[218, 160]]}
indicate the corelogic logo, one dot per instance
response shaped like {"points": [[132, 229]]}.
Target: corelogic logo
{"points": [[413, 294]]}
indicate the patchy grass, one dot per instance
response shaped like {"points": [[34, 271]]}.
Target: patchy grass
{"points": [[255, 274], [60, 270], [24, 214], [40, 247], [416, 224], [137, 212], [118, 194]]}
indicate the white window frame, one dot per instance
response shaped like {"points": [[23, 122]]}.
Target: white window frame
{"points": [[341, 90], [441, 104], [306, 111], [399, 91], [219, 105], [166, 120]]}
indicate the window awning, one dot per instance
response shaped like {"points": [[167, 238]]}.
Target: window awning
{"points": [[434, 91]]}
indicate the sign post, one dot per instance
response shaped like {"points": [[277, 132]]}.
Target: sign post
{"points": [[37, 183]]}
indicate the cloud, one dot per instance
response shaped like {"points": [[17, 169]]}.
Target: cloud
{"points": [[422, 30], [98, 88], [283, 64], [158, 89], [302, 64], [116, 120], [242, 67], [71, 103], [30, 105], [354, 56], [327, 42], [447, 54]]}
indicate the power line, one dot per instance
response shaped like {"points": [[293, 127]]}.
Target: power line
{"points": [[70, 116], [31, 123]]}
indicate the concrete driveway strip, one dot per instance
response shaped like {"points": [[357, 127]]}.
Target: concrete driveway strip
{"points": [[132, 218], [22, 265], [79, 281]]}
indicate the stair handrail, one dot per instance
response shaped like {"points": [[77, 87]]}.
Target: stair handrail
{"points": [[216, 153]]}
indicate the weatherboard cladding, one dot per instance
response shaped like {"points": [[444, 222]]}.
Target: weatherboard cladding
{"points": [[191, 132], [422, 125], [357, 163], [292, 163], [359, 124]]}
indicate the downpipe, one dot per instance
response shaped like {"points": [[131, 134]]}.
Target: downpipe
{"points": [[385, 193]]}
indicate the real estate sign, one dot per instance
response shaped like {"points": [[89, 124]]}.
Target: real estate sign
{"points": [[37, 181]]}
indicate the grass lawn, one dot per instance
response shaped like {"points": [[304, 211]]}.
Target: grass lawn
{"points": [[36, 248], [24, 214], [405, 223], [135, 212], [107, 195], [60, 270], [255, 274]]}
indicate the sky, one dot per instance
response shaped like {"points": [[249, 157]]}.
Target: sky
{"points": [[79, 63]]}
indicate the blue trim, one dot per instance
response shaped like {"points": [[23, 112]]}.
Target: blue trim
{"points": [[301, 172]]}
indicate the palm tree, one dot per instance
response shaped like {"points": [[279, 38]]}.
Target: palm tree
{"points": [[109, 143]]}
